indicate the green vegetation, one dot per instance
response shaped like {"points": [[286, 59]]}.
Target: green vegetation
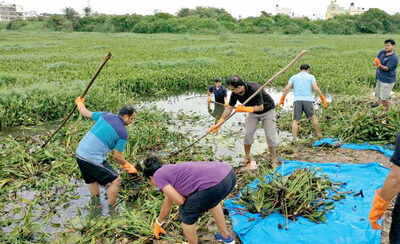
{"points": [[305, 192], [52, 174], [214, 20], [42, 72]]}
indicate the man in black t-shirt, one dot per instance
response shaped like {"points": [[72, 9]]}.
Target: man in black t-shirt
{"points": [[383, 196], [260, 108]]}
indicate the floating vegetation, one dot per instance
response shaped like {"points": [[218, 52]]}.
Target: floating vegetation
{"points": [[163, 64]]}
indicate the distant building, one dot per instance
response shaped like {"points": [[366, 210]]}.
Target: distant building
{"points": [[285, 11], [334, 9], [10, 12], [30, 14], [353, 10]]}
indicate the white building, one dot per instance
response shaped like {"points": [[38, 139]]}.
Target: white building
{"points": [[335, 9], [285, 11], [30, 14], [10, 12], [353, 10]]}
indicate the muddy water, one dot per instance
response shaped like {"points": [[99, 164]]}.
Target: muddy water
{"points": [[194, 117], [53, 218]]}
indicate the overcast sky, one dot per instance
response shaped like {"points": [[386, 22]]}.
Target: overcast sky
{"points": [[243, 8]]}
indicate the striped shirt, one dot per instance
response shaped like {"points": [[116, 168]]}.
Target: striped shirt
{"points": [[108, 133]]}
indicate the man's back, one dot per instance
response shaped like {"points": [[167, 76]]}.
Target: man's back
{"points": [[302, 85]]}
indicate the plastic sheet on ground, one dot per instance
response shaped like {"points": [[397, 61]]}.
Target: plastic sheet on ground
{"points": [[364, 146], [347, 223]]}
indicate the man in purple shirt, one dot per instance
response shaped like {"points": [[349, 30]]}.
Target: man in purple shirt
{"points": [[197, 187]]}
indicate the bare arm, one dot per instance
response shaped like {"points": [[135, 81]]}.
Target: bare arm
{"points": [[287, 89], [174, 196], [119, 157], [316, 88], [84, 111], [208, 93], [228, 110], [391, 187], [165, 209], [384, 68]]}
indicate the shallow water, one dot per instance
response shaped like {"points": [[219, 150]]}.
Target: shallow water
{"points": [[194, 117], [53, 217]]}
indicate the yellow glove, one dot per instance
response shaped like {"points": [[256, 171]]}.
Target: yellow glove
{"points": [[281, 102], [216, 127], [209, 100], [379, 206], [323, 100], [242, 108], [158, 229], [129, 168], [377, 62]]}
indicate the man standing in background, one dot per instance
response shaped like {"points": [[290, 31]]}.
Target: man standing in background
{"points": [[386, 63], [219, 92]]}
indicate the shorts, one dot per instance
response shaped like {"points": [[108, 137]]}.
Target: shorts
{"points": [[101, 173], [383, 90], [199, 202], [300, 107], [269, 125]]}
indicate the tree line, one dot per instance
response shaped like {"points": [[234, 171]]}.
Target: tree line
{"points": [[212, 20]]}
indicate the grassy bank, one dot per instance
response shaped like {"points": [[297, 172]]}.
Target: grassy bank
{"points": [[42, 72]]}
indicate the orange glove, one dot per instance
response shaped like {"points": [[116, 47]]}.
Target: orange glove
{"points": [[216, 127], [379, 206], [377, 62], [323, 100], [129, 168], [281, 102], [242, 108], [79, 101], [209, 100], [158, 229]]}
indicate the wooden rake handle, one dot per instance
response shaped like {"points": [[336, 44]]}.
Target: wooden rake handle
{"points": [[106, 58]]}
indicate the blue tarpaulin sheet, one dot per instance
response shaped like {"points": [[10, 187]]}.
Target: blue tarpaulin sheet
{"points": [[364, 146], [346, 223]]}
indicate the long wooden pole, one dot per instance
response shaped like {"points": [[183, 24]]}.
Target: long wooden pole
{"points": [[107, 57], [301, 54]]}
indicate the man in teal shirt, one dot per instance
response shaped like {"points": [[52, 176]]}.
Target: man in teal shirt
{"points": [[303, 83], [108, 133]]}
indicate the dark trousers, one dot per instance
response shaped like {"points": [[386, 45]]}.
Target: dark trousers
{"points": [[394, 234]]}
